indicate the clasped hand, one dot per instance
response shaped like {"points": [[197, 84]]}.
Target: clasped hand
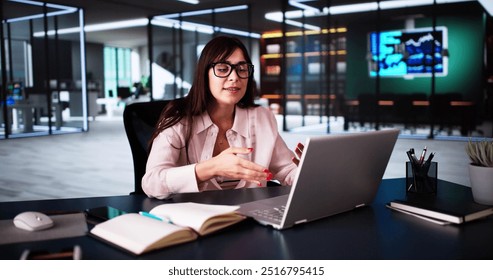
{"points": [[229, 165]]}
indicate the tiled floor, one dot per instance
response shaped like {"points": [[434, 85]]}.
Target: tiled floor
{"points": [[99, 162]]}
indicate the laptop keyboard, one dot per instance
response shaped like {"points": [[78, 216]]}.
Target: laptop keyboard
{"points": [[273, 214]]}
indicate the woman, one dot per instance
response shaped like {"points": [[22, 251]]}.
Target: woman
{"points": [[216, 137]]}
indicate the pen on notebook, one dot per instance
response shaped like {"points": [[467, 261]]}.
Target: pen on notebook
{"points": [[149, 215], [159, 218]]}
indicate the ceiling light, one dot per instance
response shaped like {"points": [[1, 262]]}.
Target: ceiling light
{"points": [[231, 9], [403, 4], [62, 10], [170, 21], [195, 2], [202, 28], [190, 14], [354, 8], [36, 3], [361, 7], [51, 14], [277, 16], [302, 6], [205, 12], [98, 27], [386, 5], [116, 25], [189, 26], [239, 32]]}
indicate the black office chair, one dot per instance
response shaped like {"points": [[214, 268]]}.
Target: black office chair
{"points": [[139, 120], [123, 92]]}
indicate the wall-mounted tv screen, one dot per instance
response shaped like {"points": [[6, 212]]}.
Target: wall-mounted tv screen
{"points": [[409, 53]]}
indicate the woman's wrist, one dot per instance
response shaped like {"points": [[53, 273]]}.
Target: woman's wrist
{"points": [[204, 171]]}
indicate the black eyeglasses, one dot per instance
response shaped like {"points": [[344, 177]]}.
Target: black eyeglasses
{"points": [[224, 69]]}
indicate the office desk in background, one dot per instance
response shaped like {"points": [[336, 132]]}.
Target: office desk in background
{"points": [[372, 232]]}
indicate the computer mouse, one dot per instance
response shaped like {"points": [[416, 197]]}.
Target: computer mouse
{"points": [[32, 221]]}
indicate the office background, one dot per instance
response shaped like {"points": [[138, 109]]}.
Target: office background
{"points": [[316, 78]]}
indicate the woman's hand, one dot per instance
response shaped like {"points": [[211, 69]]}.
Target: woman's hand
{"points": [[228, 164], [298, 151]]}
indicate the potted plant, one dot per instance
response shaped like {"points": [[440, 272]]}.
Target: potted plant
{"points": [[481, 170]]}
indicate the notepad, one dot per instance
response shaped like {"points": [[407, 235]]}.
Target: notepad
{"points": [[180, 223], [444, 210]]}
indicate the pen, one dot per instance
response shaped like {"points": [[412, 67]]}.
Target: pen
{"points": [[159, 218], [411, 157], [415, 160], [149, 215], [430, 157], [422, 157], [426, 165]]}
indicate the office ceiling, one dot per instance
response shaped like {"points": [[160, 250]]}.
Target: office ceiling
{"points": [[103, 11]]}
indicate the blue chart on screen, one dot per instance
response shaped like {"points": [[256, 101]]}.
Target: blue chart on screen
{"points": [[411, 52]]}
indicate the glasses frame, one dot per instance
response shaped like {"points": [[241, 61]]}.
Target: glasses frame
{"points": [[235, 67]]}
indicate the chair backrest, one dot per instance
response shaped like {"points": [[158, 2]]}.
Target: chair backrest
{"points": [[139, 120], [123, 92]]}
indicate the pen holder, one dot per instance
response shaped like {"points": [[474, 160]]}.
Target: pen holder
{"points": [[421, 178]]}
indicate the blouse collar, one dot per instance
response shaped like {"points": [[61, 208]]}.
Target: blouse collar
{"points": [[240, 125]]}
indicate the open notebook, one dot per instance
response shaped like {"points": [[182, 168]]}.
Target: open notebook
{"points": [[337, 173]]}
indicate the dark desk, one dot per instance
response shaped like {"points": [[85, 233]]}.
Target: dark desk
{"points": [[373, 232]]}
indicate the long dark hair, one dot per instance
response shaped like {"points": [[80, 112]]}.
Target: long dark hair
{"points": [[200, 97]]}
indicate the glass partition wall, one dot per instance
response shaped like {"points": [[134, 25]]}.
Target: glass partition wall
{"points": [[322, 66], [422, 71], [303, 68], [332, 66], [177, 40], [43, 89]]}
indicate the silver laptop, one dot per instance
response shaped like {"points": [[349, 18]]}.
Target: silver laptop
{"points": [[337, 173]]}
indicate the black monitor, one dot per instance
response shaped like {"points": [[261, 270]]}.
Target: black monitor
{"points": [[123, 92]]}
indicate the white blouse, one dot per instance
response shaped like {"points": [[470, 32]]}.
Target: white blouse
{"points": [[167, 170]]}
